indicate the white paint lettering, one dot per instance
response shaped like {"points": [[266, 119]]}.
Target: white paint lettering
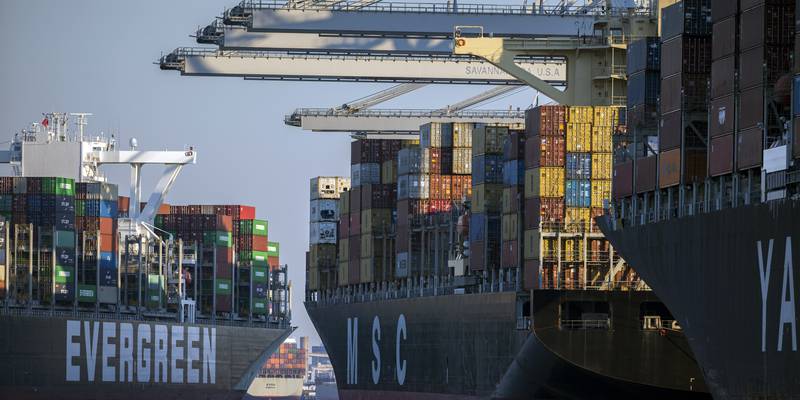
{"points": [[401, 368], [210, 355], [764, 276], [160, 358], [143, 354], [125, 352], [192, 354], [73, 350], [109, 351], [90, 339], [352, 351], [376, 337], [177, 354], [787, 306]]}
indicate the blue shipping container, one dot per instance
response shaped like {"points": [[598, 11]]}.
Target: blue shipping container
{"points": [[65, 256], [484, 227], [107, 260], [108, 276], [487, 168], [514, 172], [579, 193], [108, 208], [579, 166]]}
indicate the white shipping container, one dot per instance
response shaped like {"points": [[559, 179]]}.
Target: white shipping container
{"points": [[364, 174], [324, 210], [342, 184], [419, 186], [325, 187], [322, 233], [402, 267]]}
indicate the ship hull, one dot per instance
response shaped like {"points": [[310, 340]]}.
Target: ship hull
{"points": [[728, 278], [468, 346], [46, 357]]}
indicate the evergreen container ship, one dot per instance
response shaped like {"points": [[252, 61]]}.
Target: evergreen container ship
{"points": [[104, 297]]}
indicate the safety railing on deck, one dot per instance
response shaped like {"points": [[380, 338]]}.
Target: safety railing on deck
{"points": [[459, 8], [584, 324]]}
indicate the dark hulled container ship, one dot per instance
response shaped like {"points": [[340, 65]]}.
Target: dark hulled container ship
{"points": [[419, 294], [94, 304], [714, 236]]}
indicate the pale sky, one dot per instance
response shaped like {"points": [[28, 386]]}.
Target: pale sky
{"points": [[97, 56]]}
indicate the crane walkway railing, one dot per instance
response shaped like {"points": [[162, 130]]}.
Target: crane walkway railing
{"points": [[444, 8], [410, 113]]}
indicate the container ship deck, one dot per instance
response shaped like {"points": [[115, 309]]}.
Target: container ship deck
{"points": [[95, 304]]}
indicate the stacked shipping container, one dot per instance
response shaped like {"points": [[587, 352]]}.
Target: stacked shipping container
{"points": [[685, 68], [513, 195], [324, 239], [487, 195]]}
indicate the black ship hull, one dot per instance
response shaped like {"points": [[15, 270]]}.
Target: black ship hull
{"points": [[469, 346], [55, 357], [728, 278]]}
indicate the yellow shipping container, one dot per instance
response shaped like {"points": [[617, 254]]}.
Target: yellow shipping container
{"points": [[602, 165], [577, 219], [531, 246], [344, 249], [602, 139], [342, 273], [606, 116], [601, 190], [312, 280], [572, 250], [544, 182], [462, 134], [581, 114], [367, 270], [579, 137]]}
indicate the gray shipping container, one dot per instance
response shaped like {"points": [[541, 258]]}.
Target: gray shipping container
{"points": [[408, 161], [362, 174], [322, 232]]}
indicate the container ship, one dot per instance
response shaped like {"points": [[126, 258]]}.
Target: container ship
{"points": [[708, 210], [104, 296], [466, 264], [282, 376]]}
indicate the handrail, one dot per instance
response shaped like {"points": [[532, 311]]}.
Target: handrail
{"points": [[460, 8], [581, 324], [327, 112]]}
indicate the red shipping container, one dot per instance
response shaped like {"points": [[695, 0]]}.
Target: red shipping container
{"points": [[273, 262], [509, 257], [530, 276], [354, 270], [477, 255], [224, 255], [259, 243], [546, 121], [223, 303], [720, 155], [593, 214], [622, 185], [749, 149], [721, 116], [355, 224], [401, 240], [669, 136], [437, 206], [355, 200], [344, 226], [106, 225], [646, 169], [376, 195], [545, 151], [123, 203], [107, 243]]}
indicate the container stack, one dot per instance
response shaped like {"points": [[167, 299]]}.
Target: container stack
{"points": [[641, 142], [96, 210], [252, 272], [749, 75], [371, 202], [567, 180], [685, 68], [513, 195], [324, 215], [487, 196], [288, 361]]}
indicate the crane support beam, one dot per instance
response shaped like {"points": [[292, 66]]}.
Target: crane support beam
{"points": [[392, 121], [380, 97], [415, 19], [355, 68], [477, 99], [238, 38]]}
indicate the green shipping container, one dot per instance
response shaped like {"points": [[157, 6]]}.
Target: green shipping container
{"points": [[259, 307], [255, 227], [273, 249], [218, 238], [258, 258], [260, 274], [79, 208], [64, 274], [65, 187], [223, 286], [65, 239], [87, 293], [155, 286]]}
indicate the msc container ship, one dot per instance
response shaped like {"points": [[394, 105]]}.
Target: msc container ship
{"points": [[709, 219], [282, 376], [466, 265], [103, 297]]}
